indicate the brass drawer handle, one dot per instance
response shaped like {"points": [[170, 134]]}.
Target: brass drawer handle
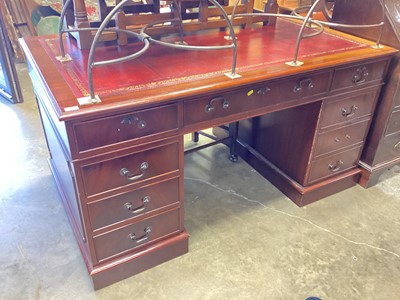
{"points": [[132, 177], [335, 167], [397, 146], [142, 238], [129, 206], [129, 120], [210, 106], [349, 112], [308, 83], [360, 75]]}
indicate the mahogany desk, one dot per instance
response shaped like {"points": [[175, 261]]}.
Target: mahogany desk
{"points": [[119, 164]]}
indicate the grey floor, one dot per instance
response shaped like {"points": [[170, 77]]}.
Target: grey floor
{"points": [[248, 241]]}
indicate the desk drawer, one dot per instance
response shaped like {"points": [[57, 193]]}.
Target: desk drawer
{"points": [[112, 130], [337, 139], [133, 204], [138, 234], [359, 75], [347, 109], [269, 93], [116, 172], [334, 164]]}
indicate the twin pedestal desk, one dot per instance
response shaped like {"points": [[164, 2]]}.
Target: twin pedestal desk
{"points": [[119, 163]]}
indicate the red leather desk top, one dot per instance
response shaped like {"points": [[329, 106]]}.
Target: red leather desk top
{"points": [[164, 74], [163, 66]]}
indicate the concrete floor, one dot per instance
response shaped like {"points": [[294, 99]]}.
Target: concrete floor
{"points": [[248, 241]]}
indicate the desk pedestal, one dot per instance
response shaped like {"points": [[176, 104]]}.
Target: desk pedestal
{"points": [[309, 151]]}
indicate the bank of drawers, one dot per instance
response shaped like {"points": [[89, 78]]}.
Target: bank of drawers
{"points": [[342, 129], [345, 120], [131, 195]]}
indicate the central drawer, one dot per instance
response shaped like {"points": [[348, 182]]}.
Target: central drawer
{"points": [[138, 234], [119, 171], [252, 98]]}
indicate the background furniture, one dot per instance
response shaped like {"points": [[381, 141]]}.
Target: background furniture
{"points": [[131, 18], [287, 6], [9, 84], [382, 149]]}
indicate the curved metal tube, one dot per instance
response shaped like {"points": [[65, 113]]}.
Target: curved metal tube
{"points": [[61, 25], [300, 35], [296, 11], [204, 48], [94, 44], [231, 33], [378, 41], [325, 12], [315, 22], [146, 39], [262, 14], [339, 25], [188, 47], [331, 24], [179, 46], [128, 57], [180, 19], [145, 27], [234, 9]]}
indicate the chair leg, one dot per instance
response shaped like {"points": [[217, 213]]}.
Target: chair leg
{"points": [[271, 7], [195, 136]]}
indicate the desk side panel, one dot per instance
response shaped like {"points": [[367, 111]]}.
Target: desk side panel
{"points": [[62, 170]]}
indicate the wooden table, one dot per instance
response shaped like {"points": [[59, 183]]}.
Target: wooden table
{"points": [[119, 163]]}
